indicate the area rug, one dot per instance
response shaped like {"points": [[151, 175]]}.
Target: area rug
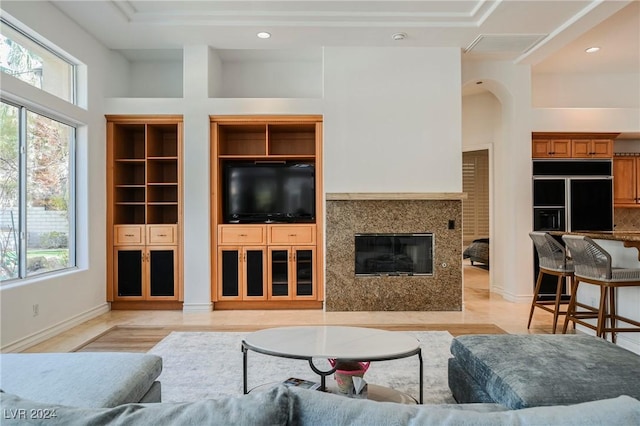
{"points": [[198, 365]]}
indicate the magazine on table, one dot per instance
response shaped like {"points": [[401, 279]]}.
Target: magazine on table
{"points": [[301, 383]]}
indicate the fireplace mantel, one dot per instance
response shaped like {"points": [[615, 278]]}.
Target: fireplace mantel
{"points": [[338, 196]]}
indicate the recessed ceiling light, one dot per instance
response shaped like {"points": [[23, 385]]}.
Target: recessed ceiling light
{"points": [[263, 34], [592, 49], [399, 36]]}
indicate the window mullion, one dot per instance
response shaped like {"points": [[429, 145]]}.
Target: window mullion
{"points": [[22, 183]]}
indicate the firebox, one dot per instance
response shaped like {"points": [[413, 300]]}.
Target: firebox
{"points": [[394, 254]]}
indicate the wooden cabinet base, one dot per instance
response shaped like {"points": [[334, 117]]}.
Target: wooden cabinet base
{"points": [[146, 305], [247, 305]]}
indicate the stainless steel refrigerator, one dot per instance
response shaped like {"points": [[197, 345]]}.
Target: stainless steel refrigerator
{"points": [[570, 195]]}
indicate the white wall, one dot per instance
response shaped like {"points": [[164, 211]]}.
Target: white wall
{"points": [[481, 120], [155, 79], [511, 213], [586, 90], [392, 120], [68, 299]]}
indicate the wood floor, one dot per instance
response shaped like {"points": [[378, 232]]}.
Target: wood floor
{"points": [[140, 330], [141, 339]]}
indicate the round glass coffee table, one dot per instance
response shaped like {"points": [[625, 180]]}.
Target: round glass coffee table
{"points": [[337, 342]]}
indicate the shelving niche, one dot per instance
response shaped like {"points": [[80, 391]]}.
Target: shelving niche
{"points": [[266, 265], [144, 212]]}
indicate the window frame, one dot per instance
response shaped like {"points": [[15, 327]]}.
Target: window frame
{"points": [[65, 109], [72, 209], [39, 41]]}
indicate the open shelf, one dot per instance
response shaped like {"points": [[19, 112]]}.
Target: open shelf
{"points": [[162, 213], [129, 172], [238, 140], [162, 141], [162, 171], [131, 144], [162, 193], [292, 139], [133, 214]]}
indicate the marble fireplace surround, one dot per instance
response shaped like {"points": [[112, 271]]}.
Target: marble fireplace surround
{"points": [[348, 214]]}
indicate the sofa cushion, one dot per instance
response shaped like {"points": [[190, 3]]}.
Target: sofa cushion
{"points": [[83, 379], [521, 371], [316, 408], [463, 387], [262, 408]]}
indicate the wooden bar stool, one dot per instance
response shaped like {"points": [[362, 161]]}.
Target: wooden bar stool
{"points": [[553, 261], [593, 266]]}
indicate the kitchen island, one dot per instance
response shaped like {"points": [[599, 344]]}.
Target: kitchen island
{"points": [[629, 239], [624, 248]]}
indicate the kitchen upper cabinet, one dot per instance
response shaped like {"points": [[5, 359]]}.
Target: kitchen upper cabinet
{"points": [[551, 148], [626, 180], [592, 148], [572, 145]]}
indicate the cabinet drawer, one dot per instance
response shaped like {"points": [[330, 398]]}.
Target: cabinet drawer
{"points": [[129, 234], [234, 234], [162, 234], [292, 234]]}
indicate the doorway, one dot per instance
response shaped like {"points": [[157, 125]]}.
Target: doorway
{"points": [[475, 183]]}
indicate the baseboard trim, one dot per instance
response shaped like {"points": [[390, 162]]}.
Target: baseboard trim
{"points": [[197, 307], [49, 332]]}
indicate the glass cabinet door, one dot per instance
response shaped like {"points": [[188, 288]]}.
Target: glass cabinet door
{"points": [[304, 259], [279, 273]]}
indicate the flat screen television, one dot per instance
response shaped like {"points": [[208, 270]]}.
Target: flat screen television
{"points": [[264, 192]]}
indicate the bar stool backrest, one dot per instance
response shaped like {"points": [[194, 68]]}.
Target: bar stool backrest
{"points": [[551, 253], [589, 259]]}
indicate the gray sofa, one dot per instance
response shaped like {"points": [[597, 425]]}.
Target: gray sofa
{"points": [[520, 371], [84, 379], [287, 406]]}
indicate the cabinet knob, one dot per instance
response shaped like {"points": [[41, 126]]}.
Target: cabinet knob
{"points": [[162, 235], [129, 235], [293, 235], [243, 235]]}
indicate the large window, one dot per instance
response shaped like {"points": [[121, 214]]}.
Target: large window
{"points": [[22, 57], [37, 211], [37, 157]]}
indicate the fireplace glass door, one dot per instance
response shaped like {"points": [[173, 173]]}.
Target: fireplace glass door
{"points": [[394, 254]]}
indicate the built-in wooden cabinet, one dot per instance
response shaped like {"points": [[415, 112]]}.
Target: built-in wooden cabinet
{"points": [[144, 214], [592, 148], [572, 145], [551, 148], [265, 265], [626, 181]]}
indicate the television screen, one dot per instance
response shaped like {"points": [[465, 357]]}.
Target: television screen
{"points": [[255, 192]]}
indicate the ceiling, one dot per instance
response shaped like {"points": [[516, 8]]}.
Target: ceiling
{"points": [[549, 35]]}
